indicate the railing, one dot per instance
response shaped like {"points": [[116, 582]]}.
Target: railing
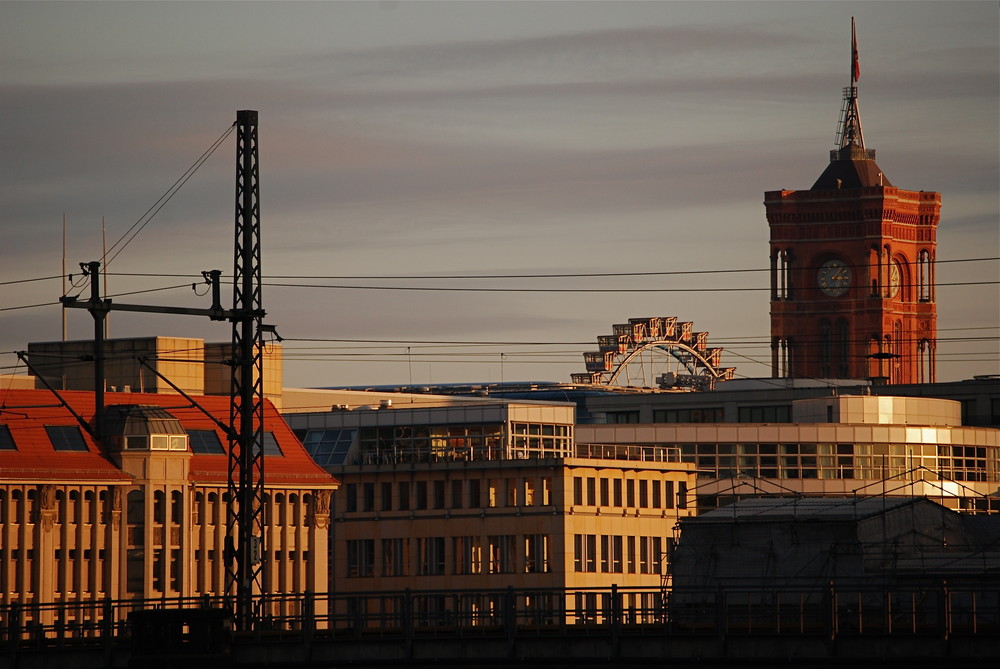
{"points": [[942, 611], [628, 452]]}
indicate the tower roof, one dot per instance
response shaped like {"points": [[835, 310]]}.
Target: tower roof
{"points": [[851, 167]]}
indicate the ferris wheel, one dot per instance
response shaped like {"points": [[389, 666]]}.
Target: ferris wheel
{"points": [[655, 352]]}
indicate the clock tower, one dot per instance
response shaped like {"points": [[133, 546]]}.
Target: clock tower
{"points": [[852, 268]]}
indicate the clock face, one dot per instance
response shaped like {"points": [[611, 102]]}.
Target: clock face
{"points": [[895, 278], [834, 278]]}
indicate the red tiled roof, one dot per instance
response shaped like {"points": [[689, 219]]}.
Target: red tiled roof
{"points": [[27, 412]]}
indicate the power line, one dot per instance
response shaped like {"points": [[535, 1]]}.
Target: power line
{"points": [[164, 199], [557, 275], [389, 277]]}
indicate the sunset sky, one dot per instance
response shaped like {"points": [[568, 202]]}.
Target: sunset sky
{"points": [[453, 139]]}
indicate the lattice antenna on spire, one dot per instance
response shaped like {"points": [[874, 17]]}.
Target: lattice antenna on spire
{"points": [[849, 133]]}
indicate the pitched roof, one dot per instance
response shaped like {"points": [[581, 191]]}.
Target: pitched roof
{"points": [[26, 413], [851, 167]]}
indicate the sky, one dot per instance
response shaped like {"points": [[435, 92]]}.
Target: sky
{"points": [[627, 143]]}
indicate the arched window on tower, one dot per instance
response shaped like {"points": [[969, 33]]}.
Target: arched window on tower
{"points": [[825, 349], [786, 275], [883, 277], [781, 284], [774, 274], [926, 353], [925, 276], [781, 357], [844, 348], [874, 270]]}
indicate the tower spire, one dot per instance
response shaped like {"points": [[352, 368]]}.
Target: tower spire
{"points": [[849, 133]]}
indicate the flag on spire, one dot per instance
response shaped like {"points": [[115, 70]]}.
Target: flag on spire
{"points": [[855, 67]]}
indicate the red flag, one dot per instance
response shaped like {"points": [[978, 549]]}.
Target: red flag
{"points": [[855, 67]]}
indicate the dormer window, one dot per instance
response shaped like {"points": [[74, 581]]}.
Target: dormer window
{"points": [[156, 442], [134, 427]]}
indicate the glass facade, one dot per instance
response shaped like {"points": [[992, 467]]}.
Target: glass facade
{"points": [[928, 462]]}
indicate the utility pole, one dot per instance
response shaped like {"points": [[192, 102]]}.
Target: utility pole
{"points": [[245, 512], [244, 563]]}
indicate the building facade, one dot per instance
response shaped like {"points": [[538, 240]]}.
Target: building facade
{"points": [[832, 446], [142, 514], [192, 365], [487, 496]]}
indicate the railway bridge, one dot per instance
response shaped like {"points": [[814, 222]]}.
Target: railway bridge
{"points": [[732, 628]]}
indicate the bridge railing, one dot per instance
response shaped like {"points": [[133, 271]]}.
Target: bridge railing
{"points": [[843, 610]]}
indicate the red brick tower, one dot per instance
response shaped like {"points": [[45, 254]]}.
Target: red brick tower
{"points": [[852, 269]]}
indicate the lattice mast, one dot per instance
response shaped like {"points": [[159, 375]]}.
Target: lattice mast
{"points": [[245, 566], [849, 132]]}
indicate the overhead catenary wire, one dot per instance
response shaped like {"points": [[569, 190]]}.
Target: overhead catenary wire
{"points": [[153, 210], [547, 275]]}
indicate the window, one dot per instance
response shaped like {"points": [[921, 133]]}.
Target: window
{"points": [[616, 555], [456, 494], [352, 497], [493, 492], [394, 556], [617, 490], [66, 438], [578, 490], [605, 553], [630, 493], [766, 414], [404, 495], [368, 499], [591, 491], [650, 554], [6, 441], [360, 558], [430, 555], [643, 494], [703, 415], [623, 416], [386, 497], [206, 442], [585, 553], [328, 447], [421, 495], [271, 445], [657, 503], [475, 494], [536, 553], [529, 492], [438, 489], [134, 570], [501, 553], [605, 498], [468, 555]]}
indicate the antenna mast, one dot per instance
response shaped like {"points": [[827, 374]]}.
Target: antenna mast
{"points": [[849, 133]]}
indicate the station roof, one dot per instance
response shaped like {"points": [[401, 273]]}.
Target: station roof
{"points": [[806, 509]]}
